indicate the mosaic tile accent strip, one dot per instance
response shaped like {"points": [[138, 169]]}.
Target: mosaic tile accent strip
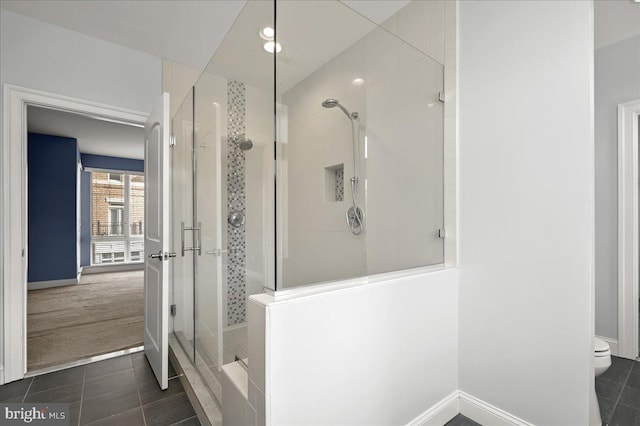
{"points": [[237, 280], [340, 184]]}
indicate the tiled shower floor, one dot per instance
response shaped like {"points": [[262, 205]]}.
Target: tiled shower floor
{"points": [[118, 391]]}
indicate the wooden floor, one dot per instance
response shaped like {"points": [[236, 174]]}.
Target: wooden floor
{"points": [[102, 314]]}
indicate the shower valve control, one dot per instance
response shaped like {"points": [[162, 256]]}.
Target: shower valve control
{"points": [[236, 219]]}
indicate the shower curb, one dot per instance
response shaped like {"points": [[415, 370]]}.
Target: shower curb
{"points": [[205, 405]]}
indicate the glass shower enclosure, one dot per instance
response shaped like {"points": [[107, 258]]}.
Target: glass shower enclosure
{"points": [[308, 153], [222, 211]]}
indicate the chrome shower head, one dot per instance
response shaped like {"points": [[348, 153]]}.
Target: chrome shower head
{"points": [[332, 103], [244, 143]]}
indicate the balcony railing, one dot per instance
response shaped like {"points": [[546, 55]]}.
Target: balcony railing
{"points": [[116, 229]]}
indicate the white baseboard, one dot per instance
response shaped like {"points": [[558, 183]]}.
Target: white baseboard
{"points": [[37, 285], [487, 414], [613, 345], [98, 269], [439, 414]]}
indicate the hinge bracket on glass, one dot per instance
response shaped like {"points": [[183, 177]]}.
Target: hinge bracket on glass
{"points": [[173, 310], [172, 141]]}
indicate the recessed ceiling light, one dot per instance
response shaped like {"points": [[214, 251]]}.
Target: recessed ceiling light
{"points": [[270, 46], [357, 82], [267, 33]]}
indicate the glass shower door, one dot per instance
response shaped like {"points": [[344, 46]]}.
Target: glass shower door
{"points": [[182, 266], [223, 186], [208, 208]]}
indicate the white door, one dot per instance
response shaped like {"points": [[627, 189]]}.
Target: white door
{"points": [[156, 240]]}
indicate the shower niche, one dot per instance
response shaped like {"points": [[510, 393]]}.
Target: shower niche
{"points": [[334, 183]]}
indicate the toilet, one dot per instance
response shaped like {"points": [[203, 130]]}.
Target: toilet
{"points": [[601, 363]]}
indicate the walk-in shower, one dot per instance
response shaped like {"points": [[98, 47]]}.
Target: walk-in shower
{"points": [[263, 174], [354, 215]]}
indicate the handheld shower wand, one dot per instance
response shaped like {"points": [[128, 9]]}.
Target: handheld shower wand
{"points": [[354, 215]]}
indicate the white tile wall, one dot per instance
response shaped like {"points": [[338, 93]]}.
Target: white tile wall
{"points": [[177, 80], [421, 23], [403, 122]]}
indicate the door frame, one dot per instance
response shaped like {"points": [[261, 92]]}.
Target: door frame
{"points": [[628, 229], [13, 202]]}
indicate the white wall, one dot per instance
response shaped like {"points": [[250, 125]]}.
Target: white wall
{"points": [[378, 354], [617, 80], [41, 56], [526, 207]]}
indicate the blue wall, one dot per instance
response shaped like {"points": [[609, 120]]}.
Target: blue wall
{"points": [[52, 172], [112, 163]]}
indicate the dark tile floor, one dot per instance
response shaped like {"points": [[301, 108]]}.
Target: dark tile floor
{"points": [[618, 391], [461, 420], [118, 391]]}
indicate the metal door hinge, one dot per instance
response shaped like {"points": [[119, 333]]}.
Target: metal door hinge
{"points": [[442, 97], [217, 252], [442, 233], [173, 310], [172, 141], [22, 252]]}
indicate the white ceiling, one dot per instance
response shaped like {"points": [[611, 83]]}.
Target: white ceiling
{"points": [[184, 31], [189, 32], [311, 32], [94, 136], [376, 10], [615, 20]]}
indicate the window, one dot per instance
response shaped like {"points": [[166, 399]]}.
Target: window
{"points": [[116, 219], [117, 214]]}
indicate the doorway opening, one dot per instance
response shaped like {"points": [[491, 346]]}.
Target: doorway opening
{"points": [[628, 229], [20, 241], [85, 251]]}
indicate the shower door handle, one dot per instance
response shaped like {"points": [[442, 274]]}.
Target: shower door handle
{"points": [[197, 248], [182, 238]]}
